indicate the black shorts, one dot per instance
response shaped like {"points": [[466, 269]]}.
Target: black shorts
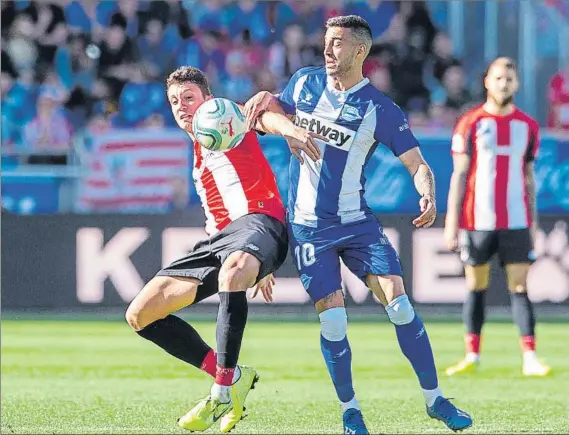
{"points": [[257, 234], [512, 246]]}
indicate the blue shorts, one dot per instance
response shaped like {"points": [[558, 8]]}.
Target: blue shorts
{"points": [[362, 246]]}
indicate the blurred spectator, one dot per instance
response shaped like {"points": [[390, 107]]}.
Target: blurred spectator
{"points": [[378, 14], [111, 57], [558, 97], [418, 20], [8, 16], [405, 56], [208, 15], [6, 62], [89, 16], [49, 132], [75, 68], [442, 56], [116, 55], [440, 117], [249, 15], [332, 8], [206, 54], [17, 106], [279, 16], [456, 94], [310, 15], [266, 81], [238, 86], [156, 49], [134, 101], [127, 16], [21, 45], [288, 56], [50, 29], [254, 52], [381, 79]]}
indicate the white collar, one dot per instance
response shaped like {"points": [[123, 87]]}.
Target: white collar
{"points": [[353, 89]]}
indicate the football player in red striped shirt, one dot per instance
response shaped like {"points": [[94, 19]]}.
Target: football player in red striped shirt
{"points": [[492, 209], [245, 219]]}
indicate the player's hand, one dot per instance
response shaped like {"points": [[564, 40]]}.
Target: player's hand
{"points": [[428, 212], [256, 105], [451, 237], [304, 140], [266, 287]]}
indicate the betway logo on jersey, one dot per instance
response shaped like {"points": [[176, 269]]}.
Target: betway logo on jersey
{"points": [[338, 136]]}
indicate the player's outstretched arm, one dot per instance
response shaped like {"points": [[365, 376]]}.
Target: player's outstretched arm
{"points": [[298, 139], [461, 166], [259, 103], [265, 114], [424, 183]]}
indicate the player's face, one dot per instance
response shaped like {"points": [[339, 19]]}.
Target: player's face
{"points": [[502, 84], [340, 51], [185, 98]]}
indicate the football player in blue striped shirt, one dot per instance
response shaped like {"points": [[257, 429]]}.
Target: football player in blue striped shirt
{"points": [[328, 216]]}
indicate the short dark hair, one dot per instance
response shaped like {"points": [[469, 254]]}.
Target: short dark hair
{"points": [[506, 62], [360, 27], [189, 74]]}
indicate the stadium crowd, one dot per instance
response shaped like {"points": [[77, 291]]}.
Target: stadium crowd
{"points": [[67, 65]]}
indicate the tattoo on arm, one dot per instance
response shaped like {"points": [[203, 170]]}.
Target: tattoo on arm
{"points": [[424, 181], [530, 182]]}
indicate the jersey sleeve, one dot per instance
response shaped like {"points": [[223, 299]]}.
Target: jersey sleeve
{"points": [[287, 97], [462, 136], [392, 129], [533, 146]]}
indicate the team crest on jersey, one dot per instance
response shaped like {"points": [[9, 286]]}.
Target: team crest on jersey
{"points": [[350, 113]]}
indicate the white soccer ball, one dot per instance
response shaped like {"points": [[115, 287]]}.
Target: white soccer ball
{"points": [[219, 125]]}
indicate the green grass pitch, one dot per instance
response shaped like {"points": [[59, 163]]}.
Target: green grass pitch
{"points": [[99, 377]]}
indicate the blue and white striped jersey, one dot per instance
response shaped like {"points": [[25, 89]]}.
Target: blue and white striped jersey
{"points": [[331, 191]]}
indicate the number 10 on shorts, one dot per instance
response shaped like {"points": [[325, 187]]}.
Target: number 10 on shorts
{"points": [[305, 255]]}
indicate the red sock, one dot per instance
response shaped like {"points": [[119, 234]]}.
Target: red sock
{"points": [[472, 343], [209, 363], [527, 342], [224, 376]]}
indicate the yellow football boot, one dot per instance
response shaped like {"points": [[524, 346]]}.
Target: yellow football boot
{"points": [[239, 392], [463, 367], [204, 414]]}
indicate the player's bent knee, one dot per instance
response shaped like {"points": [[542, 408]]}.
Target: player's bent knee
{"points": [[386, 287], [239, 272], [516, 275], [333, 300], [334, 323], [161, 296], [400, 310]]}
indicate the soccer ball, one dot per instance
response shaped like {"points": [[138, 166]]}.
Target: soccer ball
{"points": [[218, 125]]}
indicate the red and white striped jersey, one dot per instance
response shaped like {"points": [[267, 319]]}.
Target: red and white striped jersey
{"points": [[500, 147], [235, 183]]}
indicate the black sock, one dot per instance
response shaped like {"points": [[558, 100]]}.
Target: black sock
{"points": [[231, 320], [522, 310], [178, 338], [473, 312]]}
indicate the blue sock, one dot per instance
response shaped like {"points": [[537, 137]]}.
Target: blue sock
{"points": [[338, 358], [414, 341]]}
